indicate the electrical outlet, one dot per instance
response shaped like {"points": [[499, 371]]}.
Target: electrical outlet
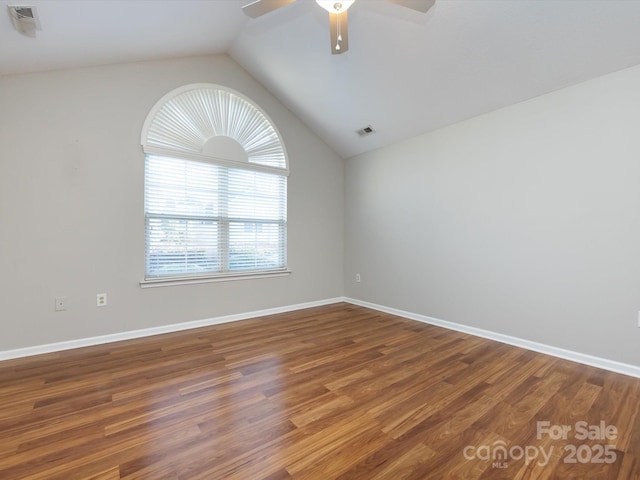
{"points": [[358, 277], [101, 300], [61, 304]]}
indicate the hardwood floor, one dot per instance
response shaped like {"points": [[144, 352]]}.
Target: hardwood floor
{"points": [[335, 392]]}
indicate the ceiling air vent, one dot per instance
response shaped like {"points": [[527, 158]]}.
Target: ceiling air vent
{"points": [[25, 19], [368, 130]]}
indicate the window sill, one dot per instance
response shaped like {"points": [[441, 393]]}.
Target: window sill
{"points": [[173, 281]]}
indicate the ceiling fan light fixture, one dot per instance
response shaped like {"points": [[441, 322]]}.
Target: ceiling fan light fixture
{"points": [[338, 15], [335, 6]]}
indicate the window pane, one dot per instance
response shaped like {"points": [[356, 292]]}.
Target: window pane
{"points": [[256, 246], [256, 195], [176, 247], [204, 219], [181, 187]]}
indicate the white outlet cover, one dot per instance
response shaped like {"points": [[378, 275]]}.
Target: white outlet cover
{"points": [[101, 300]]}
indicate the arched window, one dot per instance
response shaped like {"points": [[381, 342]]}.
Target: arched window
{"points": [[215, 187]]}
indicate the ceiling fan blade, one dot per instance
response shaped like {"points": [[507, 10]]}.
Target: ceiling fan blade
{"points": [[419, 5], [338, 26], [261, 7]]}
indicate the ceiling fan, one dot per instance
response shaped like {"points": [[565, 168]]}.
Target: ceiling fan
{"points": [[337, 15]]}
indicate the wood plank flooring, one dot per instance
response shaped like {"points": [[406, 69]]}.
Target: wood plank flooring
{"points": [[335, 392]]}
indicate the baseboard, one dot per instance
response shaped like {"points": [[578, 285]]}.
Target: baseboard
{"points": [[147, 332], [611, 365]]}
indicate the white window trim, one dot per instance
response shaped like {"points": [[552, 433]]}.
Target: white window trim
{"points": [[222, 277]]}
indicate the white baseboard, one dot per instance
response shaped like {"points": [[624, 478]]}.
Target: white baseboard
{"points": [[147, 332], [611, 365]]}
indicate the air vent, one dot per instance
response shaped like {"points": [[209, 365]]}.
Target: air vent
{"points": [[25, 19], [368, 130]]}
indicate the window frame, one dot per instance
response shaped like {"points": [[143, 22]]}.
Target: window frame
{"points": [[158, 140]]}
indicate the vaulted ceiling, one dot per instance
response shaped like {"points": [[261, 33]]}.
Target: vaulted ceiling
{"points": [[405, 73]]}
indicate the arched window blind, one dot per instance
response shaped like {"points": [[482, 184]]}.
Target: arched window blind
{"points": [[215, 187]]}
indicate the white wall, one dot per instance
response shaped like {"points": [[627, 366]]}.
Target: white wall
{"points": [[71, 205], [524, 221]]}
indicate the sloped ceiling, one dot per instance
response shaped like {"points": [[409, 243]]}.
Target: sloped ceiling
{"points": [[406, 73]]}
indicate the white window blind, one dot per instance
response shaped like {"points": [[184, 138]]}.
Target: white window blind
{"points": [[215, 187], [204, 219]]}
